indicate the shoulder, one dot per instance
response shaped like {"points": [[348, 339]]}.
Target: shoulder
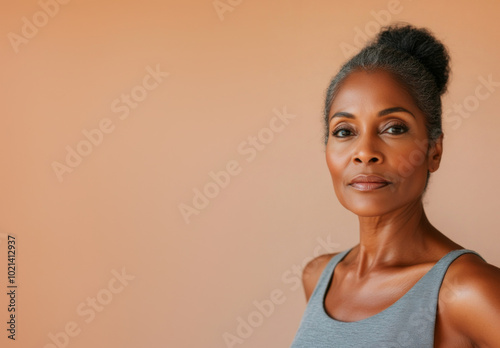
{"points": [[312, 271], [469, 301]]}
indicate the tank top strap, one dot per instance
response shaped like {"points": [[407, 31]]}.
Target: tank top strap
{"points": [[429, 286], [320, 289]]}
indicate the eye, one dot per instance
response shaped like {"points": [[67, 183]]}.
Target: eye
{"points": [[341, 132], [398, 128]]}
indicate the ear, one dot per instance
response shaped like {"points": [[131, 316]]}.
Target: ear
{"points": [[435, 153]]}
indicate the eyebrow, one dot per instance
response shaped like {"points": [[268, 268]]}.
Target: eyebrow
{"points": [[380, 114]]}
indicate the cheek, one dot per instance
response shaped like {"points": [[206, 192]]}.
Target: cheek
{"points": [[337, 165], [409, 161]]}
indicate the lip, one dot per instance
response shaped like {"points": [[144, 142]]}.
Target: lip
{"points": [[368, 186], [363, 182]]}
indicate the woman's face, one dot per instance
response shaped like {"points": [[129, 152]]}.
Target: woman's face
{"points": [[377, 129]]}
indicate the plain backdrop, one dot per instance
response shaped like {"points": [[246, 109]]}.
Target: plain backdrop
{"points": [[116, 116]]}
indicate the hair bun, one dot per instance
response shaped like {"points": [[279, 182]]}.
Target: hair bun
{"points": [[422, 45]]}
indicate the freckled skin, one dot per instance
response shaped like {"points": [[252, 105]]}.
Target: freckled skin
{"points": [[398, 244]]}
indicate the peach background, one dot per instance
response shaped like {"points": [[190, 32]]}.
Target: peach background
{"points": [[120, 207]]}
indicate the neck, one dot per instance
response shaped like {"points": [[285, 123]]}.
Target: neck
{"points": [[393, 238]]}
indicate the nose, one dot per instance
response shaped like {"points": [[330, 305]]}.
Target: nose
{"points": [[367, 151]]}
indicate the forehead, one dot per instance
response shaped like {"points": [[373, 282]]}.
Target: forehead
{"points": [[376, 89]]}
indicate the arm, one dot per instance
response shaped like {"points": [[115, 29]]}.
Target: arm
{"points": [[474, 309]]}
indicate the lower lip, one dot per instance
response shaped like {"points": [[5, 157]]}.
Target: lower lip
{"points": [[368, 186]]}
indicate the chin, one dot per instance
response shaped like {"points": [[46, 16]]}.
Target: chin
{"points": [[368, 212], [366, 207]]}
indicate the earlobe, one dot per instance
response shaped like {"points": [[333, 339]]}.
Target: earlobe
{"points": [[435, 154]]}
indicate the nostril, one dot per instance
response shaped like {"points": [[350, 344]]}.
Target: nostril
{"points": [[373, 159]]}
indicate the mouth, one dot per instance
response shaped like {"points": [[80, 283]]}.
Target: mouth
{"points": [[370, 182], [368, 186]]}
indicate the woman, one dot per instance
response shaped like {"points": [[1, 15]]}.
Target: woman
{"points": [[405, 284]]}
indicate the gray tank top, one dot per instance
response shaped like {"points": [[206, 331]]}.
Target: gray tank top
{"points": [[408, 323]]}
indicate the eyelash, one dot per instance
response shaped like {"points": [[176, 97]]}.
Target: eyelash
{"points": [[402, 126]]}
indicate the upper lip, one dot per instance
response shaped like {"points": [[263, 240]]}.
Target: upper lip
{"points": [[368, 178]]}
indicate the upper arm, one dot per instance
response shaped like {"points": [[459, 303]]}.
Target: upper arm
{"points": [[474, 309], [312, 271]]}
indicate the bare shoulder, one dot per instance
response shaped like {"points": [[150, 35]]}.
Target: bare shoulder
{"points": [[312, 271], [469, 300]]}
